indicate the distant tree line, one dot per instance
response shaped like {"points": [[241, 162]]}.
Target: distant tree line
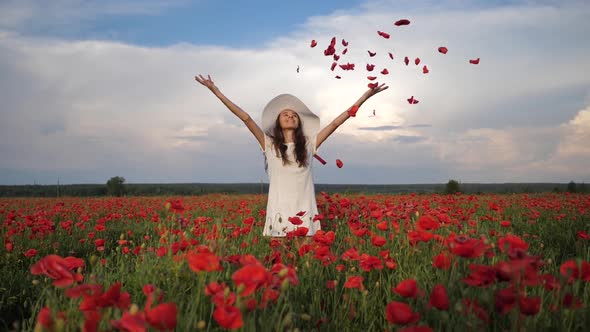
{"points": [[116, 186]]}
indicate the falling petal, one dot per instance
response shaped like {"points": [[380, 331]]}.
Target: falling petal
{"points": [[474, 62], [406, 60], [371, 78], [334, 64], [425, 70], [339, 163], [370, 67], [373, 85], [372, 54], [383, 34], [391, 55], [338, 77], [336, 57], [417, 61], [411, 100], [402, 22], [344, 43], [313, 43], [385, 71], [345, 50], [443, 50]]}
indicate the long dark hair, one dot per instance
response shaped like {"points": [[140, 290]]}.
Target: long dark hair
{"points": [[280, 148]]}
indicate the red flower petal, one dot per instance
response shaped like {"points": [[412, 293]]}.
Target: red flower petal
{"points": [[370, 67], [320, 159], [372, 54], [338, 77], [339, 163], [425, 70], [411, 100], [383, 34], [334, 64], [474, 62], [390, 55], [402, 22], [352, 111], [345, 50], [385, 71], [336, 57], [344, 43], [373, 85], [443, 50], [371, 78], [406, 60], [417, 61], [313, 43]]}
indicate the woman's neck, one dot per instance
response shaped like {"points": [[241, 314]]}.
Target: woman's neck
{"points": [[289, 135]]}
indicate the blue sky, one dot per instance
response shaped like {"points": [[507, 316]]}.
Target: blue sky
{"points": [[94, 89]]}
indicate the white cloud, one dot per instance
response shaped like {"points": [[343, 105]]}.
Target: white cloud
{"points": [[101, 106]]}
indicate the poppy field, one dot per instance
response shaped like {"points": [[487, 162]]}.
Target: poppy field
{"points": [[513, 262]]}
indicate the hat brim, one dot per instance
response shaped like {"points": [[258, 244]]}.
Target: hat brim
{"points": [[310, 121]]}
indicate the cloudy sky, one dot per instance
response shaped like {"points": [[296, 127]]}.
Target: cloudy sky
{"points": [[98, 88]]}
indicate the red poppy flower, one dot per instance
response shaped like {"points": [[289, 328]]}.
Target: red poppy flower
{"points": [[368, 262], [425, 70], [59, 269], [467, 247], [406, 60], [511, 242], [385, 71], [474, 61], [30, 253], [339, 163], [378, 241], [427, 223], [406, 288], [313, 43], [252, 276], [439, 298], [354, 282], [204, 261], [228, 317], [583, 235], [417, 61], [400, 313], [372, 54], [45, 319], [162, 317], [529, 305], [441, 261], [370, 67], [402, 22], [128, 321], [383, 34], [504, 300], [295, 220], [443, 50]]}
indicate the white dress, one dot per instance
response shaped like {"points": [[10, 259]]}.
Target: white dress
{"points": [[291, 190]]}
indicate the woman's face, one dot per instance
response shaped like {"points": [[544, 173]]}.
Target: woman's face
{"points": [[288, 119]]}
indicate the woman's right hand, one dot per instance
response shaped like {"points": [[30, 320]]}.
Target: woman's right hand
{"points": [[208, 82]]}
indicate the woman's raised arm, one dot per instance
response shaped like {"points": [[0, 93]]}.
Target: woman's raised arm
{"points": [[235, 109], [340, 119]]}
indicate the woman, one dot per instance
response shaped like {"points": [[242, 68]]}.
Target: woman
{"points": [[289, 138]]}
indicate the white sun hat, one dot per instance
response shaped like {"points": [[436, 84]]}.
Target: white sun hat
{"points": [[311, 122]]}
